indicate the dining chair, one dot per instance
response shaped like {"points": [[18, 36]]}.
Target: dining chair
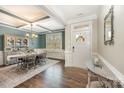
{"points": [[41, 58], [44, 57], [20, 62], [30, 61]]}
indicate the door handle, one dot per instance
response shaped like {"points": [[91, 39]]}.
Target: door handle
{"points": [[73, 48]]}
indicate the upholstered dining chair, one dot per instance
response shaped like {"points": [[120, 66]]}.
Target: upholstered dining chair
{"points": [[41, 58], [44, 57], [30, 61], [20, 62]]}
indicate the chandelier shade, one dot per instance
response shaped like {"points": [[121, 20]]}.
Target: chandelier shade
{"points": [[31, 35]]}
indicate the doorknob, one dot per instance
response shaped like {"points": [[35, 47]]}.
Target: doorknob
{"points": [[73, 48]]}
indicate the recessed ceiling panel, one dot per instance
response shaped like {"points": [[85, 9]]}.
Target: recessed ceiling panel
{"points": [[51, 24], [28, 12], [34, 28], [5, 19]]}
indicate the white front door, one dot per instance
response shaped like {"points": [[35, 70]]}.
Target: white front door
{"points": [[81, 47]]}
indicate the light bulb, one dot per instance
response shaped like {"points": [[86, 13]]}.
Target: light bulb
{"points": [[33, 35], [36, 35], [27, 35]]}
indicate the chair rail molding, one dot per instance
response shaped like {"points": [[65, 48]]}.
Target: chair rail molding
{"points": [[118, 75]]}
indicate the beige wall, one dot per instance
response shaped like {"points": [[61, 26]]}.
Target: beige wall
{"points": [[113, 54], [94, 36]]}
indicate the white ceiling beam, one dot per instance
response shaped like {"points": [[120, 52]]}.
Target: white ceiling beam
{"points": [[44, 27], [50, 29], [53, 14], [47, 32]]}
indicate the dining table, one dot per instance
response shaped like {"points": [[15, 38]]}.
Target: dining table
{"points": [[23, 59], [20, 55]]}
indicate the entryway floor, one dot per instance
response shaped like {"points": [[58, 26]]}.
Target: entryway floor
{"points": [[57, 76]]}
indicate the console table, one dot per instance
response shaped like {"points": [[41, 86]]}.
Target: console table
{"points": [[103, 76]]}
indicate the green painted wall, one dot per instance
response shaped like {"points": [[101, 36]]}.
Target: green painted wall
{"points": [[11, 31], [35, 43], [42, 41], [63, 40], [39, 42]]}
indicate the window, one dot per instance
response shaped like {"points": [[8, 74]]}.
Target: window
{"points": [[54, 41]]}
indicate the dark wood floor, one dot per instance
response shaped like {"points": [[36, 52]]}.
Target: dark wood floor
{"points": [[58, 77]]}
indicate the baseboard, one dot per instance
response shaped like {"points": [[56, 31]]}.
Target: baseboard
{"points": [[119, 75]]}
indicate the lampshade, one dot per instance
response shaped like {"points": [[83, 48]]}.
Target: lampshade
{"points": [[36, 35], [27, 35], [32, 35]]}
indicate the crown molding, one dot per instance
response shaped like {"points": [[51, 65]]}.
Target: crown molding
{"points": [[79, 19]]}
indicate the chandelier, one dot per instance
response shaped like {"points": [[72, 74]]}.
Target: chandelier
{"points": [[32, 35]]}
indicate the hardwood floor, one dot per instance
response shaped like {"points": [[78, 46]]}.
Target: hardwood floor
{"points": [[58, 77]]}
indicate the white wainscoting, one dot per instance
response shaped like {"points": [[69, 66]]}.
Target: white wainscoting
{"points": [[1, 57], [68, 59], [119, 75], [53, 53]]}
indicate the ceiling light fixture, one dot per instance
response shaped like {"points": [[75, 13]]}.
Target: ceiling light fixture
{"points": [[32, 35]]}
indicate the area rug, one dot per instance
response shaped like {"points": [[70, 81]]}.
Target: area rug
{"points": [[11, 77]]}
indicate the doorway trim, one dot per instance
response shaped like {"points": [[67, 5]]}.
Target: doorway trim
{"points": [[89, 23]]}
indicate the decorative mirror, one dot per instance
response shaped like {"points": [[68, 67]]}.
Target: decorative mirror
{"points": [[108, 28]]}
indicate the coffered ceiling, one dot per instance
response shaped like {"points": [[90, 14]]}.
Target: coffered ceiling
{"points": [[44, 18], [29, 12], [21, 16]]}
